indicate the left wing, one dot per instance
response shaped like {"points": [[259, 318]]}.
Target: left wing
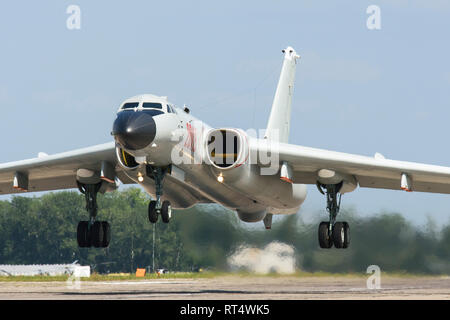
{"points": [[375, 172], [58, 171]]}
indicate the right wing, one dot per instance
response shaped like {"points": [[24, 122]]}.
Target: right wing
{"points": [[59, 171]]}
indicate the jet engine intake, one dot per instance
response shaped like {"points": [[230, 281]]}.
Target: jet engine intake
{"points": [[126, 160], [226, 148]]}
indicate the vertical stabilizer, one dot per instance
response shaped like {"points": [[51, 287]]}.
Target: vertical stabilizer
{"points": [[280, 115]]}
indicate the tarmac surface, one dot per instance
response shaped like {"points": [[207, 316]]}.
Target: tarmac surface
{"points": [[234, 287]]}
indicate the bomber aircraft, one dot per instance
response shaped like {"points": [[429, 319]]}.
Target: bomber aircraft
{"points": [[181, 161]]}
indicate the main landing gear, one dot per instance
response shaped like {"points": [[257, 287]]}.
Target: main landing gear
{"points": [[92, 233], [332, 232], [156, 207]]}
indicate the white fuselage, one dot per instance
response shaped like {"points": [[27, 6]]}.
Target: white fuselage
{"points": [[180, 141]]}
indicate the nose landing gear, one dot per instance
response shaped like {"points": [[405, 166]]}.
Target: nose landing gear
{"points": [[92, 233], [156, 207], [332, 232]]}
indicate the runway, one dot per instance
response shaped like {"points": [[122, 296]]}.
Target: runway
{"points": [[234, 287]]}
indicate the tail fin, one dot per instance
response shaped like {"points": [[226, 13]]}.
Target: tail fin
{"points": [[280, 115]]}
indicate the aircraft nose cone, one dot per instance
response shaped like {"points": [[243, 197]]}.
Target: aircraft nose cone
{"points": [[134, 130]]}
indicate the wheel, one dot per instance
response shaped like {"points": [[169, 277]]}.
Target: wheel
{"points": [[82, 234], [324, 238], [346, 235], [96, 233], [338, 235], [166, 211], [106, 234], [152, 214]]}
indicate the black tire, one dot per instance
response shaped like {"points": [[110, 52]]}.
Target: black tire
{"points": [[106, 234], [166, 211], [97, 234], [338, 235], [325, 241], [346, 235], [152, 214], [82, 234]]}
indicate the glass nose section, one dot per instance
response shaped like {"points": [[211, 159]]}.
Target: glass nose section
{"points": [[134, 130]]}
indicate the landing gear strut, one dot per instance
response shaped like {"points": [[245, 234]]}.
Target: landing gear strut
{"points": [[156, 207], [92, 233], [332, 232]]}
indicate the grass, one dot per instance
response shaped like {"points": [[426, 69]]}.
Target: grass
{"points": [[200, 275], [110, 277]]}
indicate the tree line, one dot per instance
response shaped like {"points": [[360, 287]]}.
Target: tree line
{"points": [[42, 230]]}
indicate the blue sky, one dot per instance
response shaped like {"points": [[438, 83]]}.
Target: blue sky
{"points": [[357, 90]]}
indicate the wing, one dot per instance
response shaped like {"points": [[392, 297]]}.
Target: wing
{"points": [[55, 172], [58, 171], [375, 172]]}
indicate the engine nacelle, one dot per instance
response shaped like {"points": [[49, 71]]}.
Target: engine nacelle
{"points": [[228, 154], [226, 148]]}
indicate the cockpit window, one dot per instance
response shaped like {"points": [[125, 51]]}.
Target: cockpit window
{"points": [[153, 105], [170, 109], [130, 105]]}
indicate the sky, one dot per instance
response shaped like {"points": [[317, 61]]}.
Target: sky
{"points": [[357, 90]]}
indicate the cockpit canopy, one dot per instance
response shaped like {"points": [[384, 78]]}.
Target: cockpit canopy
{"points": [[159, 105]]}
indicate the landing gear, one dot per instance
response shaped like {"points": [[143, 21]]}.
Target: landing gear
{"points": [[82, 234], [152, 214], [325, 240], [156, 207], [346, 235], [92, 233], [332, 232], [96, 234], [341, 235], [165, 212]]}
